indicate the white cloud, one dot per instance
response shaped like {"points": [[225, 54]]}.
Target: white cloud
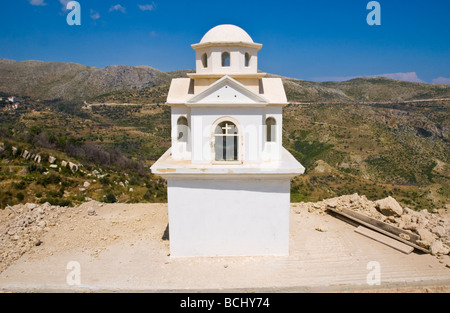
{"points": [[147, 7], [409, 77], [94, 15], [38, 2], [441, 80], [117, 7]]}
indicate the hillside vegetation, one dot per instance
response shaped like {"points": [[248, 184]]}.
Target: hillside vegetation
{"points": [[372, 136]]}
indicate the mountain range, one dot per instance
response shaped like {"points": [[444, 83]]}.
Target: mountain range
{"points": [[76, 82]]}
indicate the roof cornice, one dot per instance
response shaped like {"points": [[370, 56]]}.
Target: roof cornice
{"points": [[198, 46]]}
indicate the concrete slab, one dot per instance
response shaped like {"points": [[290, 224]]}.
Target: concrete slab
{"points": [[121, 249]]}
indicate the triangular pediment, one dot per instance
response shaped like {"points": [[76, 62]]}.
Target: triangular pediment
{"points": [[227, 91]]}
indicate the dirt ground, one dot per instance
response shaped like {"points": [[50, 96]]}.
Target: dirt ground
{"points": [[123, 247]]}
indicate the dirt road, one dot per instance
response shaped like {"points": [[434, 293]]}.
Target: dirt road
{"points": [[120, 247]]}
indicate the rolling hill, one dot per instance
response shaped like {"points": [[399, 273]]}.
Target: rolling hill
{"points": [[372, 136]]}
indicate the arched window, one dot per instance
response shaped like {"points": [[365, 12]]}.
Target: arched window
{"points": [[226, 59], [205, 60], [226, 142], [182, 129], [271, 126], [247, 59]]}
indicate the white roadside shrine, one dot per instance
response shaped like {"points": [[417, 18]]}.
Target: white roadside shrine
{"points": [[228, 175]]}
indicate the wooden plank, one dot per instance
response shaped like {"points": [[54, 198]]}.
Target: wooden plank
{"points": [[372, 223], [397, 245], [385, 226]]}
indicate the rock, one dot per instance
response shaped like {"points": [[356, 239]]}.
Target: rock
{"points": [[332, 203], [26, 154], [53, 166], [63, 163], [321, 228], [131, 190], [37, 158], [51, 159], [42, 224], [426, 238], [86, 184], [438, 248], [389, 207], [391, 219], [423, 221], [14, 150], [439, 231], [73, 167], [91, 211], [30, 206]]}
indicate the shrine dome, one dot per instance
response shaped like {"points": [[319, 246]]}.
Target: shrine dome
{"points": [[226, 33]]}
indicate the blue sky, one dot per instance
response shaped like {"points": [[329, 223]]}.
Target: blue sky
{"points": [[312, 40]]}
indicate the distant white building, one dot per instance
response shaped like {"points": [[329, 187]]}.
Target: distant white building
{"points": [[227, 173], [13, 99]]}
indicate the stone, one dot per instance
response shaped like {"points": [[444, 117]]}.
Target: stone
{"points": [[42, 224], [389, 207], [439, 231], [131, 190], [51, 159], [318, 205], [53, 166], [73, 167], [426, 237], [91, 211], [86, 184], [321, 228], [332, 203], [30, 206], [437, 248], [63, 163]]}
